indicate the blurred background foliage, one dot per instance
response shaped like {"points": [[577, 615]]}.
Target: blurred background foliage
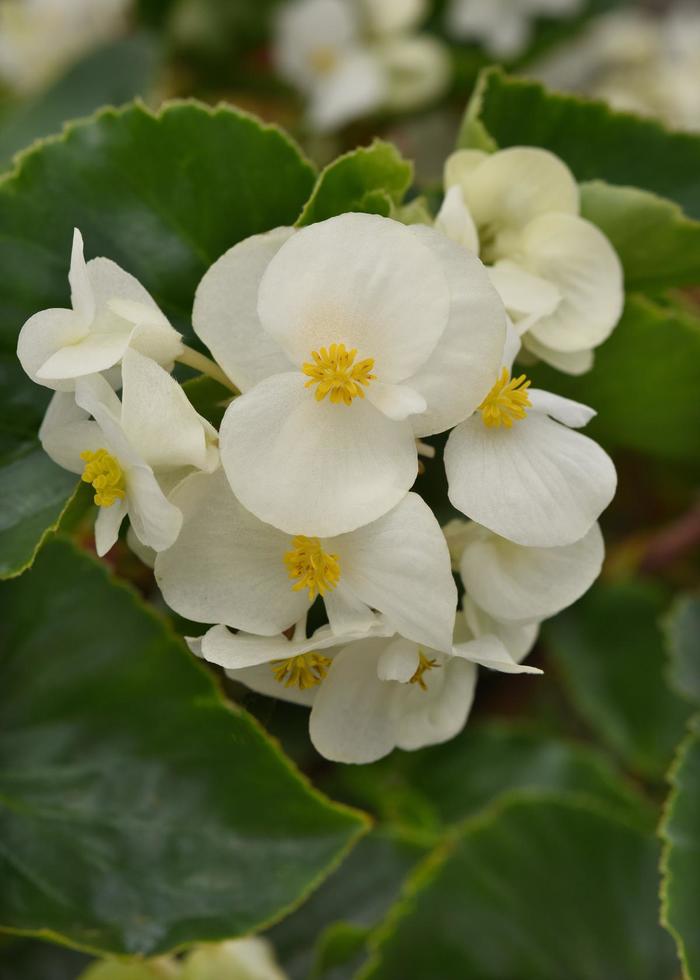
{"points": [[535, 844]]}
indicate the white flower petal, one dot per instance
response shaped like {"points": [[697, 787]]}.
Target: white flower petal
{"points": [[570, 362], [155, 520], [41, 336], [428, 717], [521, 584], [107, 524], [398, 661], [523, 294], [94, 353], [455, 221], [579, 260], [565, 410], [306, 27], [66, 432], [387, 17], [417, 70], [158, 418], [400, 565], [517, 638], [361, 280], [489, 651], [512, 186], [538, 483], [339, 466], [460, 371], [225, 314], [82, 296], [459, 165], [345, 611], [227, 566], [355, 87], [397, 402], [352, 719]]}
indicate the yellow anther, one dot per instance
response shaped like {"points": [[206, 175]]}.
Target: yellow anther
{"points": [[323, 59], [314, 568], [335, 372], [507, 401], [103, 471], [424, 663], [303, 671]]}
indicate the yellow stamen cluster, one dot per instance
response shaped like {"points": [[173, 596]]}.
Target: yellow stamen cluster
{"points": [[103, 471], [424, 663], [507, 401], [314, 568], [303, 671], [335, 373]]}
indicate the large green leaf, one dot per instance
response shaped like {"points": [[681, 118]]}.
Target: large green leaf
{"points": [[610, 651], [138, 810], [682, 627], [680, 832], [163, 195], [597, 142], [539, 888], [644, 384], [109, 76], [371, 179], [30, 959], [658, 245]]}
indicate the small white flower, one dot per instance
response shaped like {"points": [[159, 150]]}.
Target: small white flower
{"points": [[503, 27], [250, 958], [517, 584], [557, 274], [111, 311], [348, 339], [154, 429], [517, 467], [228, 567], [353, 57], [368, 693]]}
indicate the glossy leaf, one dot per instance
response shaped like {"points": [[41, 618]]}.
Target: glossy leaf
{"points": [[609, 649], [597, 142], [539, 888], [657, 244], [682, 627], [680, 865], [372, 179], [139, 810], [644, 383]]}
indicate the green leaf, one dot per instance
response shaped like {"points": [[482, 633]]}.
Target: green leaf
{"points": [[610, 651], [163, 195], [682, 628], [658, 245], [138, 810], [680, 866], [22, 959], [596, 142], [644, 384], [539, 888], [372, 179], [111, 75]]}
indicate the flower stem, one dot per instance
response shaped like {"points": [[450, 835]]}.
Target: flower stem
{"points": [[192, 358]]}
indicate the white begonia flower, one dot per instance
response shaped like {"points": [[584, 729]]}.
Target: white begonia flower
{"points": [[229, 567], [153, 434], [250, 958], [111, 312], [517, 638], [353, 57], [557, 274], [348, 339], [516, 467], [39, 38], [503, 27], [518, 584], [368, 693]]}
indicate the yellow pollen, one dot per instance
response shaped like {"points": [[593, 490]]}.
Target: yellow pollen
{"points": [[507, 401], [304, 671], [335, 372], [424, 663], [103, 471], [314, 568], [323, 59]]}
